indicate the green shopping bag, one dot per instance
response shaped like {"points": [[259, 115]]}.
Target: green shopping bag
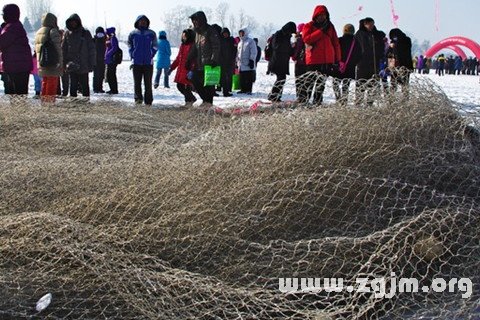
{"points": [[212, 76], [236, 82]]}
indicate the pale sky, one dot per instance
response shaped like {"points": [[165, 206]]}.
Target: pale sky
{"points": [[416, 17]]}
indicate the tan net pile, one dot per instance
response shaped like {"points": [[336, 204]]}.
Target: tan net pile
{"points": [[132, 213]]}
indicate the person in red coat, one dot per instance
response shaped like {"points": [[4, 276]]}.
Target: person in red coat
{"points": [[184, 67], [323, 51]]}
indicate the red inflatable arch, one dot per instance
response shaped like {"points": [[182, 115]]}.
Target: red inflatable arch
{"points": [[459, 51], [455, 42]]}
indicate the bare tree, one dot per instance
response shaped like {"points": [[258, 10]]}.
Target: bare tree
{"points": [[210, 13], [221, 13], [36, 9], [27, 25], [264, 32], [242, 20], [119, 32], [425, 46], [232, 25], [176, 20]]}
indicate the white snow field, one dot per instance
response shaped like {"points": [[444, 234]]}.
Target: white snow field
{"points": [[460, 89], [463, 90]]}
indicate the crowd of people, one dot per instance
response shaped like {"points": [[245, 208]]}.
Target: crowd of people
{"points": [[63, 59], [447, 65]]}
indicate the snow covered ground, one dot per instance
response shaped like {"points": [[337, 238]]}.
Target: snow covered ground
{"points": [[464, 90], [461, 89]]}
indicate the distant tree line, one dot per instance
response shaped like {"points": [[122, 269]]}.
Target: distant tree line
{"points": [[35, 10], [176, 20]]}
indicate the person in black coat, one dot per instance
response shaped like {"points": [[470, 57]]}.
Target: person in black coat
{"points": [[351, 55], [399, 59], [228, 54], [205, 51], [372, 43], [259, 51], [257, 59], [298, 56], [99, 70], [279, 63], [79, 55]]}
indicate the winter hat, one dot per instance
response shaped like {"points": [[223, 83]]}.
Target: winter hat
{"points": [[362, 23], [300, 27], [320, 10], [217, 28], [289, 28], [200, 17], [100, 32], [348, 29], [49, 20], [111, 30], [11, 13], [162, 35], [226, 30], [190, 35], [140, 17], [73, 17], [246, 31], [396, 34]]}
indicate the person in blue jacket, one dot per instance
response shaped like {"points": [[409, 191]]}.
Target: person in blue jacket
{"points": [[142, 44], [163, 59]]}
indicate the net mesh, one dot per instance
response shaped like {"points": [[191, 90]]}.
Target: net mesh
{"points": [[144, 213]]}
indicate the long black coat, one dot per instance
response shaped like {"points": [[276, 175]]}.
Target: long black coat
{"points": [[100, 47], [373, 52], [346, 44], [206, 49], [228, 52], [78, 46], [282, 50], [401, 49]]}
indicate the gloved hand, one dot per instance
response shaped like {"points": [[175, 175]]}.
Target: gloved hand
{"points": [[251, 64], [131, 67], [190, 75]]}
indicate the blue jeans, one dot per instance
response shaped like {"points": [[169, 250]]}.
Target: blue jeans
{"points": [[38, 83], [159, 74]]}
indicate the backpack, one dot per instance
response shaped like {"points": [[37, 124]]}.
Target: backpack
{"points": [[48, 53], [118, 56], [268, 48]]}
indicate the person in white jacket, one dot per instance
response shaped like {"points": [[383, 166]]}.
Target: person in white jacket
{"points": [[247, 53]]}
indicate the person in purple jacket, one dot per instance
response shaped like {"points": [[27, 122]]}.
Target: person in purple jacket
{"points": [[420, 65], [112, 48], [16, 52]]}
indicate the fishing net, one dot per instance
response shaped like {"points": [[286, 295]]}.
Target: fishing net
{"points": [[125, 212]]}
